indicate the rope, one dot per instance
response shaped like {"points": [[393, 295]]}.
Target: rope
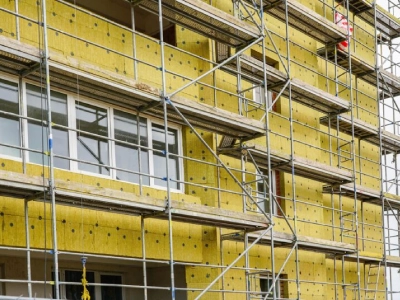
{"points": [[85, 292]]}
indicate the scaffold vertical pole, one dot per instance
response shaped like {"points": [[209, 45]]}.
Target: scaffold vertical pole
{"points": [[28, 248], [50, 153], [167, 175]]}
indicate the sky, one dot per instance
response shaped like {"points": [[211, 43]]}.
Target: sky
{"points": [[392, 117]]}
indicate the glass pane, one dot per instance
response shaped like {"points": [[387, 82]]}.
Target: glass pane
{"points": [[158, 133], [111, 292], [37, 134], [266, 283], [127, 156], [262, 193], [74, 292], [10, 126], [92, 149]]}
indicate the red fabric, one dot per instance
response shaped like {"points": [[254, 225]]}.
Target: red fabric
{"points": [[341, 21]]}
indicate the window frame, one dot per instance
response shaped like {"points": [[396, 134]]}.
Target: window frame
{"points": [[97, 280], [112, 141], [75, 130], [278, 285], [259, 96], [21, 109], [25, 132], [178, 129], [260, 194], [2, 284], [115, 141], [72, 99]]}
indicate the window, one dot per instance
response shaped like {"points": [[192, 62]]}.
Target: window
{"points": [[9, 124], [92, 123], [266, 283], [74, 292], [159, 157], [126, 153], [262, 191], [37, 131], [281, 285], [92, 138], [259, 96], [110, 291]]}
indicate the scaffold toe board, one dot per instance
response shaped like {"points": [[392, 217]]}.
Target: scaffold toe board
{"points": [[279, 161], [212, 119], [389, 84], [287, 240], [302, 92], [252, 69], [16, 57], [212, 216], [366, 257], [306, 20], [393, 261], [318, 99], [205, 19], [358, 6], [134, 93], [391, 201], [359, 67], [137, 94], [121, 90], [364, 131], [363, 193], [86, 196], [375, 259], [386, 23]]}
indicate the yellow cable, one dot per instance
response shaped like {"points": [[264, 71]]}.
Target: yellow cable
{"points": [[85, 293]]}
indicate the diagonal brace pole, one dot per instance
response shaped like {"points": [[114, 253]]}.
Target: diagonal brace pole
{"points": [[225, 62], [218, 159], [233, 263]]}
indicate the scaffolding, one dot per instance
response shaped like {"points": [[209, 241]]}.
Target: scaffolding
{"points": [[258, 155]]}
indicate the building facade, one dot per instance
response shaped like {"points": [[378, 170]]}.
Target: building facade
{"points": [[188, 149]]}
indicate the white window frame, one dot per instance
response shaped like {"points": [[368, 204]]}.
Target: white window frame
{"points": [[72, 99], [261, 193], [259, 94], [72, 134], [151, 160], [75, 141], [24, 123], [22, 132], [111, 143], [24, 104]]}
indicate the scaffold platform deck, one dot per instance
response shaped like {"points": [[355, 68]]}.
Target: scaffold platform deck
{"points": [[302, 92], [282, 162], [81, 195], [364, 131], [286, 240], [204, 19]]}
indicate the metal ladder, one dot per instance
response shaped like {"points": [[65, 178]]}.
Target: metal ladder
{"points": [[372, 281]]}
